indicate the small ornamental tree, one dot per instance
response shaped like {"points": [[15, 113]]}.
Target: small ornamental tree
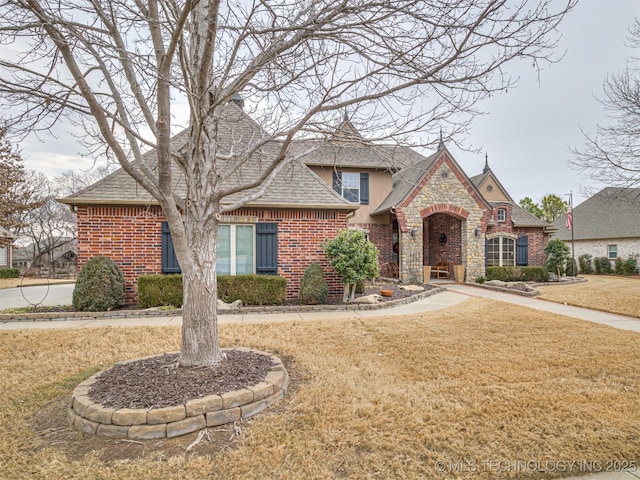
{"points": [[557, 254], [354, 258]]}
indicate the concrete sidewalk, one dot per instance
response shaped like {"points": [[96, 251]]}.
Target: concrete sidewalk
{"points": [[455, 293]]}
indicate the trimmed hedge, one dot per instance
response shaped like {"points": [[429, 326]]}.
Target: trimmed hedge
{"points": [[162, 290], [313, 287], [159, 290], [602, 266], [9, 273], [252, 289], [518, 274]]}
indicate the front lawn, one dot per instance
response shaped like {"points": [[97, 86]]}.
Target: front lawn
{"points": [[479, 390], [607, 293]]}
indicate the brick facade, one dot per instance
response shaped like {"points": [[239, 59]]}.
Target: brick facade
{"points": [[131, 236]]}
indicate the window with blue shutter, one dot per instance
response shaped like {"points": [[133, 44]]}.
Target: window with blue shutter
{"points": [[267, 248], [169, 259], [364, 188], [522, 251]]}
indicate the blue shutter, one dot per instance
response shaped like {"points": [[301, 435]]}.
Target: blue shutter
{"points": [[337, 182], [364, 188], [267, 248], [522, 251], [169, 259]]}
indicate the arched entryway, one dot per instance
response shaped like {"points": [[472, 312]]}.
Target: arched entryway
{"points": [[444, 238]]}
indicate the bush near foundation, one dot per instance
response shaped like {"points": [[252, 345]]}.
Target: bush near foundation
{"points": [[518, 274], [163, 290], [252, 289], [313, 287], [602, 265], [160, 290], [9, 273], [100, 286]]}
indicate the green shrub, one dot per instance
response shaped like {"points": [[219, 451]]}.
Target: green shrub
{"points": [[586, 266], [557, 255], [9, 273], [617, 266], [480, 280], [629, 266], [160, 290], [252, 289], [572, 267], [100, 286], [313, 287], [518, 274], [602, 265]]}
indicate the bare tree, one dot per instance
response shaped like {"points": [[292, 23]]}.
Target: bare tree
{"points": [[612, 155], [125, 68]]}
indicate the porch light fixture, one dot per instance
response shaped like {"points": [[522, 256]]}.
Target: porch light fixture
{"points": [[443, 239], [414, 232], [477, 231]]}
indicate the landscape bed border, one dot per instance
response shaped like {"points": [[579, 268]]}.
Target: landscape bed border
{"points": [[90, 417]]}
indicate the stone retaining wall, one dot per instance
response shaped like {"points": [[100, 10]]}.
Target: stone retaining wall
{"points": [[145, 424]]}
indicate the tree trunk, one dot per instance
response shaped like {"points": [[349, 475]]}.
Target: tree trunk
{"points": [[200, 342]]}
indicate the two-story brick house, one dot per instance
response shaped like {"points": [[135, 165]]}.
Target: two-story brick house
{"points": [[418, 211]]}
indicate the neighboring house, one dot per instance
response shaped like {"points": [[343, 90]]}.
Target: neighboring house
{"points": [[6, 247], [417, 210], [52, 255], [605, 225]]}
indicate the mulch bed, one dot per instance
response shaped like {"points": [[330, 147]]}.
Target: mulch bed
{"points": [[159, 382]]}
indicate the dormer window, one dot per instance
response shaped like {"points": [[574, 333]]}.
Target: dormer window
{"points": [[502, 215]]}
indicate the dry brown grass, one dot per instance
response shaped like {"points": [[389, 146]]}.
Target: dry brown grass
{"points": [[27, 282], [613, 294], [480, 383]]}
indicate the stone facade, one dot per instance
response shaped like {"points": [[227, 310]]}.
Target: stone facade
{"points": [[443, 202], [131, 237]]}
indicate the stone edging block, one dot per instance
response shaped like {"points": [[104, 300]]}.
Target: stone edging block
{"points": [[168, 422]]}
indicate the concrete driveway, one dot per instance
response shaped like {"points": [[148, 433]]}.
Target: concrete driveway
{"points": [[59, 294]]}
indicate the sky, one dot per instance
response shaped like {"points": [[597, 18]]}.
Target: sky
{"points": [[526, 133]]}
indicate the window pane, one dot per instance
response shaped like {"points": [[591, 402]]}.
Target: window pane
{"points": [[223, 266], [613, 251], [244, 249], [3, 255], [493, 252], [351, 187], [502, 214], [508, 252]]}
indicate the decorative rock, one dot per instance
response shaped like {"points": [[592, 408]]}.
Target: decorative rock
{"points": [[206, 404], [412, 288], [166, 415], [98, 413], [185, 426], [368, 299], [229, 306], [112, 431], [223, 416], [236, 398], [81, 390], [129, 416], [147, 432]]}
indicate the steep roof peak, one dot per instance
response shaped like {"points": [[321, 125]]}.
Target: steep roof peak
{"points": [[486, 168]]}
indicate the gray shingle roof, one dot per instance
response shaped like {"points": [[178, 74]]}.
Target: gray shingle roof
{"points": [[522, 218], [611, 213], [295, 186], [404, 182]]}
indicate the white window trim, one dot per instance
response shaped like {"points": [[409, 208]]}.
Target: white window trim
{"points": [[357, 174], [615, 246], [504, 211], [501, 251], [232, 246]]}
